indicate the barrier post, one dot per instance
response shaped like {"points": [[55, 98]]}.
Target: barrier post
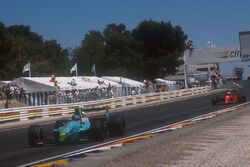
{"points": [[64, 111], [180, 93], [24, 115], [112, 104], [134, 100], [124, 102], [45, 113], [161, 96], [193, 91], [143, 99]]}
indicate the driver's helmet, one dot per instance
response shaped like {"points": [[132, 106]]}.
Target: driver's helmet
{"points": [[228, 93], [77, 111]]}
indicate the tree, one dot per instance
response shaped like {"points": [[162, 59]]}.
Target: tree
{"points": [[162, 47], [91, 52], [19, 45], [111, 51], [121, 57]]}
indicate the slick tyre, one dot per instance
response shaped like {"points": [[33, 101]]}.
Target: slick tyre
{"points": [[242, 99], [213, 101], [35, 136], [116, 126], [97, 130]]}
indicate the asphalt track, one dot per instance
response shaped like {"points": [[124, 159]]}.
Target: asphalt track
{"points": [[15, 150]]}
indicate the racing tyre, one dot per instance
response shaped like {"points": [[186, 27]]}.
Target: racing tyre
{"points": [[214, 101], [242, 99], [35, 135], [97, 130], [116, 126]]}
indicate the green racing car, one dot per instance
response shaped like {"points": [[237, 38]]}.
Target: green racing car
{"points": [[78, 129]]}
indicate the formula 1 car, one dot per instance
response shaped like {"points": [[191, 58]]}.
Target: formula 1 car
{"points": [[71, 131], [229, 97]]}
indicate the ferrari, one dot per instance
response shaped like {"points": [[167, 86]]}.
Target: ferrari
{"points": [[229, 97]]}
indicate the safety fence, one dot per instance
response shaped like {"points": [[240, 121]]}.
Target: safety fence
{"points": [[32, 112]]}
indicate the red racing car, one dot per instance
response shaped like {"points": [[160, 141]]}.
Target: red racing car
{"points": [[229, 97]]}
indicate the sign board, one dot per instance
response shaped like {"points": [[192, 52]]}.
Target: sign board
{"points": [[212, 55], [245, 45]]}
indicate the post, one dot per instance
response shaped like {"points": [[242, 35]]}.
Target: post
{"points": [[29, 69], [209, 74], [76, 70], [29, 73], [185, 70]]}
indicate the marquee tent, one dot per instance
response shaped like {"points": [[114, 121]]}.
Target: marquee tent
{"points": [[128, 85], [47, 84], [105, 83], [171, 85]]}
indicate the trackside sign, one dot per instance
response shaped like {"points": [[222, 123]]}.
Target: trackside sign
{"points": [[212, 55], [245, 45]]}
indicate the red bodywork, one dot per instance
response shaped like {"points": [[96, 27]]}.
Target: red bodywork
{"points": [[231, 99]]}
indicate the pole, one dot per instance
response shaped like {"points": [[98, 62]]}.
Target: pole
{"points": [[29, 70], [76, 70], [185, 71], [209, 74]]}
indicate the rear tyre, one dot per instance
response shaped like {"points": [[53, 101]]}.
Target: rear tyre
{"points": [[97, 130], [214, 101], [242, 99], [35, 135], [116, 126]]}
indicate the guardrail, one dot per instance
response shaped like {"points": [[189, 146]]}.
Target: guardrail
{"points": [[32, 112]]}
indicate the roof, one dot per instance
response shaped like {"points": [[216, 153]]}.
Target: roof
{"points": [[124, 81], [102, 82], [160, 81], [41, 84]]}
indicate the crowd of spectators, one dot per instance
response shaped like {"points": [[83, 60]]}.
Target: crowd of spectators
{"points": [[72, 96], [8, 92]]}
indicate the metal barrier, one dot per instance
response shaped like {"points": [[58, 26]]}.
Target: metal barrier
{"points": [[32, 112]]}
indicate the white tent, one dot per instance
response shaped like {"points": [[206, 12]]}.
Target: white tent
{"points": [[160, 81], [47, 84], [101, 81], [32, 85], [4, 83], [128, 85], [124, 81], [105, 83], [170, 84]]}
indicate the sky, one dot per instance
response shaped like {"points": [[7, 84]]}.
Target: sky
{"points": [[66, 21]]}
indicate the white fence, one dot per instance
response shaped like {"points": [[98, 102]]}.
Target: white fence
{"points": [[26, 113]]}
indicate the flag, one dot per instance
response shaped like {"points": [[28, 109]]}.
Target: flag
{"points": [[26, 67], [74, 68], [93, 70]]}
